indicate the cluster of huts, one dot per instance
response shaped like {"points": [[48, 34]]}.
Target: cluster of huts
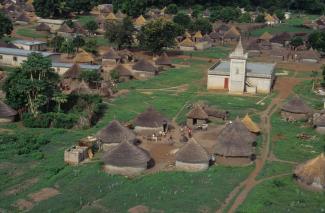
{"points": [[317, 24], [20, 12]]}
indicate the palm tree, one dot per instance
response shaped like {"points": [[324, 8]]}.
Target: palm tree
{"points": [[60, 98]]}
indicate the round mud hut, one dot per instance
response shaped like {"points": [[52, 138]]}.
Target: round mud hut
{"points": [[295, 110], [7, 114], [235, 141], [164, 60], [150, 122], [197, 116], [126, 159], [113, 134], [192, 157], [312, 173]]}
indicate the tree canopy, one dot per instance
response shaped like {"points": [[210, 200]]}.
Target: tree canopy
{"points": [[5, 25], [317, 40]]}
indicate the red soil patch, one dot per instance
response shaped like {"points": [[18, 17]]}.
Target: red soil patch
{"points": [[43, 194]]}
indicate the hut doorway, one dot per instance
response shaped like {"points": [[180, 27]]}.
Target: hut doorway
{"points": [[194, 121]]}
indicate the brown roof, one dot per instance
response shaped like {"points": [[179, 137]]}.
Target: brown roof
{"points": [[197, 112], [320, 121], [250, 124], [140, 21], [82, 88], [144, 65], [192, 152], [232, 33], [111, 17], [150, 118], [43, 27], [222, 28], [73, 72], [265, 36], [6, 111], [111, 54], [65, 29], [23, 17], [123, 71], [214, 35], [187, 42], [253, 45], [281, 38], [127, 154], [198, 34], [235, 140], [115, 133], [296, 105], [163, 59], [309, 54], [83, 57], [313, 171]]}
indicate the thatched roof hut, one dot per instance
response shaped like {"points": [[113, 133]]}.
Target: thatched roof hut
{"points": [[192, 157], [111, 17], [114, 132], [126, 159], [144, 65], [43, 27], [65, 29], [312, 172], [140, 21], [23, 18], [123, 71], [250, 124], [265, 36], [164, 60], [198, 35], [235, 140], [295, 109], [187, 42], [151, 118], [7, 114], [82, 89], [197, 112], [232, 34], [83, 57], [111, 54], [281, 38], [73, 72]]}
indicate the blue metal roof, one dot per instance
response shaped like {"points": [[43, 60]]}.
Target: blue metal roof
{"points": [[20, 52], [82, 66], [29, 43]]}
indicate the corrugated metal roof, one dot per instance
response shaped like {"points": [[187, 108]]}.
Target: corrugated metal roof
{"points": [[29, 43], [82, 66], [20, 52]]}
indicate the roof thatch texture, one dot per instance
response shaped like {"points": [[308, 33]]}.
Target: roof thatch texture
{"points": [[140, 21], [250, 124], [82, 88], [126, 154], [43, 27], [281, 38], [6, 111], [83, 57], [123, 71], [73, 72], [65, 29], [309, 54], [115, 133], [214, 35], [296, 105], [111, 54], [163, 59], [187, 42], [232, 33], [266, 36], [253, 46], [222, 28], [235, 140], [23, 18], [320, 121], [111, 17], [197, 112], [198, 35], [192, 152], [150, 118], [144, 65], [313, 171]]}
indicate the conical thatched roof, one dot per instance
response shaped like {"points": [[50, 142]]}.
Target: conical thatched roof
{"points": [[269, 18], [281, 38], [198, 35], [111, 17], [214, 35], [73, 72], [296, 105], [43, 27], [122, 70], [235, 140], [232, 33], [187, 42], [144, 65], [83, 57], [150, 118], [192, 152], [6, 111], [140, 21], [320, 121], [250, 124], [309, 54], [82, 88], [23, 18], [126, 154], [115, 133], [313, 171], [197, 112], [266, 36], [111, 54], [65, 29], [163, 59]]}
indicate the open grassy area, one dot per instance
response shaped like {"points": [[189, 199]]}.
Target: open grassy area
{"points": [[84, 19], [305, 91], [275, 168], [282, 195], [279, 29], [213, 52], [28, 32]]}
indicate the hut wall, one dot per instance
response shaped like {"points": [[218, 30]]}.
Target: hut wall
{"points": [[202, 45], [12, 60], [216, 82], [147, 130], [289, 116], [184, 48], [191, 167], [109, 61], [142, 75], [320, 130], [7, 120], [127, 171], [189, 122], [75, 155]]}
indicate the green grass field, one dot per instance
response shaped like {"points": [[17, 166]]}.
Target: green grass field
{"points": [[84, 19], [279, 29], [31, 33], [213, 52]]}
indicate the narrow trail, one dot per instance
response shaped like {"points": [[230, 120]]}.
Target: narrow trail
{"points": [[283, 88]]}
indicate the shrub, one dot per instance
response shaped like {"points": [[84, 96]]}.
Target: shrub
{"points": [[41, 121], [171, 9], [65, 121]]}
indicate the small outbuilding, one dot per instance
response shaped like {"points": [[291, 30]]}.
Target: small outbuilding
{"points": [[124, 74], [197, 116], [143, 69], [164, 60], [42, 27], [126, 159], [111, 56], [187, 45], [295, 110], [30, 45], [251, 125], [319, 123], [84, 57], [7, 114], [312, 173], [192, 157], [113, 134]]}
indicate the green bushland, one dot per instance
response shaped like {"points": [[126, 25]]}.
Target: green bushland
{"points": [[31, 33]]}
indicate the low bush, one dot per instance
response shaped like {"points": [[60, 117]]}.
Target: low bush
{"points": [[65, 121], [41, 121]]}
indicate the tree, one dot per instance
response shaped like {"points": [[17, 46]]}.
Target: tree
{"points": [[317, 40], [90, 76], [121, 34], [202, 25], [5, 25], [296, 42], [226, 14], [59, 98], [78, 42], [158, 34], [171, 9], [52, 8], [280, 14], [260, 18], [91, 26], [80, 5], [32, 85], [182, 20], [91, 45], [68, 47], [56, 43], [245, 18], [133, 8]]}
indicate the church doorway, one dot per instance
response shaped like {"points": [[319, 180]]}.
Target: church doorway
{"points": [[226, 83]]}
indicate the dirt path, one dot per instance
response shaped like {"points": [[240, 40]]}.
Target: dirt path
{"points": [[283, 88]]}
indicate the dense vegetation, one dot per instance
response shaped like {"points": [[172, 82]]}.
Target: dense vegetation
{"points": [[5, 25]]}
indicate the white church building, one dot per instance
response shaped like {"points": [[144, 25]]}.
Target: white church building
{"points": [[239, 76]]}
